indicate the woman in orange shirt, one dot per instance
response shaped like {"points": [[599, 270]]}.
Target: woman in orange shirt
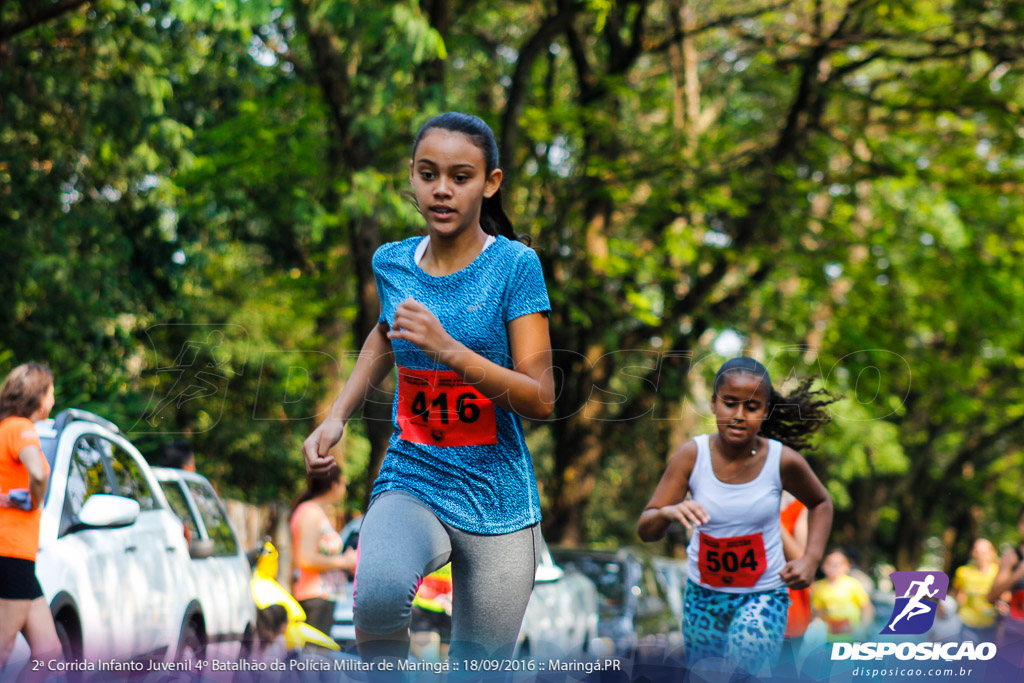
{"points": [[25, 398]]}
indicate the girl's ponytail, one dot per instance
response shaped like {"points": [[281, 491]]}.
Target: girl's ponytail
{"points": [[495, 221], [795, 417]]}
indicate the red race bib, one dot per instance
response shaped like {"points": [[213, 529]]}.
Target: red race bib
{"points": [[440, 409], [736, 562], [1017, 605]]}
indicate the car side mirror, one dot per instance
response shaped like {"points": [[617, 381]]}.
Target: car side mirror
{"points": [[102, 510], [548, 573], [200, 549]]}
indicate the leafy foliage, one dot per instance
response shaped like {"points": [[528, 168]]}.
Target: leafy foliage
{"points": [[191, 191]]}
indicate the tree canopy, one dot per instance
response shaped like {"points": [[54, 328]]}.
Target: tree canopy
{"points": [[190, 194]]}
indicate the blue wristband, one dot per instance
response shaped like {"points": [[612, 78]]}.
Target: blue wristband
{"points": [[20, 498]]}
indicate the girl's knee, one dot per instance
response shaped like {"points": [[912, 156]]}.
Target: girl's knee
{"points": [[384, 606]]}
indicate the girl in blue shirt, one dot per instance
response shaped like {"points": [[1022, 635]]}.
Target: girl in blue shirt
{"points": [[464, 317]]}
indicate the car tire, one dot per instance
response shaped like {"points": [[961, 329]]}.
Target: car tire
{"points": [[191, 646], [69, 635], [67, 649]]}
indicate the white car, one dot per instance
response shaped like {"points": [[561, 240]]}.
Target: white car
{"points": [[113, 559], [561, 618], [220, 567]]}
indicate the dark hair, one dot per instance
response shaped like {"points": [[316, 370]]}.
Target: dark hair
{"points": [[838, 550], [176, 454], [791, 418], [24, 389], [316, 485], [493, 219], [269, 622]]}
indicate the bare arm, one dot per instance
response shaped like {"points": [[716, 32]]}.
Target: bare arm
{"points": [[668, 503], [33, 460], [794, 544], [799, 479], [1010, 571], [373, 365], [527, 389], [308, 556]]}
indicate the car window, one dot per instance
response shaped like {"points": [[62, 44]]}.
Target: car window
{"points": [[176, 497], [87, 475], [651, 584], [606, 575], [130, 480], [217, 527]]}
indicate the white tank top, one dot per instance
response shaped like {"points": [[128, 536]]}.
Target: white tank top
{"points": [[740, 549]]}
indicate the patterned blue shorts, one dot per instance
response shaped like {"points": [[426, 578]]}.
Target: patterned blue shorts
{"points": [[743, 628]]}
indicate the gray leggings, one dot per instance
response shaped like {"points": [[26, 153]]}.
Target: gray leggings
{"points": [[402, 540]]}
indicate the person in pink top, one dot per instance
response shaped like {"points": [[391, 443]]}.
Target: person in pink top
{"points": [[317, 556]]}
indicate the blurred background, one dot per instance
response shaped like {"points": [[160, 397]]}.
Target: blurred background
{"points": [[191, 191]]}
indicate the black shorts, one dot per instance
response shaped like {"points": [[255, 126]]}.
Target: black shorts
{"points": [[18, 579], [423, 620], [319, 613]]}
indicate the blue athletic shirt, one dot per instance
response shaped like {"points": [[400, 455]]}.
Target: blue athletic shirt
{"points": [[485, 489]]}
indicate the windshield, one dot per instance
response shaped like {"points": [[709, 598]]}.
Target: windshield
{"points": [[606, 574]]}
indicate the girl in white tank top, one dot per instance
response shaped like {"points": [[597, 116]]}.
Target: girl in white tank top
{"points": [[739, 549], [737, 593]]}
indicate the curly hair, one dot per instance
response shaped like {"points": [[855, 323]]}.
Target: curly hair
{"points": [[792, 418], [24, 389]]}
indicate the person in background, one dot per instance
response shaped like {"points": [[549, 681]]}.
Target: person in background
{"points": [[971, 586], [793, 519], [318, 557], [853, 557], [25, 398], [432, 614], [179, 455], [840, 600], [1008, 587]]}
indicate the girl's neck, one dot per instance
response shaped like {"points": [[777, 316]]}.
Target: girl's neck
{"points": [[731, 452], [447, 255]]}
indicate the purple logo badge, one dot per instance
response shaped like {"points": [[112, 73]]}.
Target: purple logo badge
{"points": [[917, 596]]}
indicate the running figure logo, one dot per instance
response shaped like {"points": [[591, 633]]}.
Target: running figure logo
{"points": [[918, 595]]}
